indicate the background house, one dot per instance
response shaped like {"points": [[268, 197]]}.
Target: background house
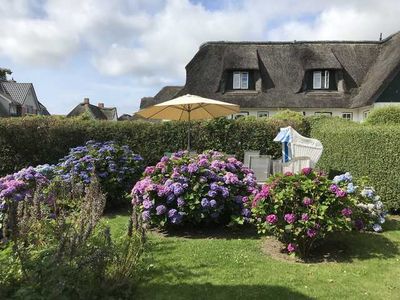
{"points": [[336, 78], [18, 99], [98, 112]]}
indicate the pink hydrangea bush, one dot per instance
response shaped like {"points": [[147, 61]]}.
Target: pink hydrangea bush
{"points": [[302, 209], [201, 189]]}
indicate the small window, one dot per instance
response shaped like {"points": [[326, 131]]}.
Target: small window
{"points": [[365, 114], [261, 114], [240, 115], [347, 116], [323, 113], [321, 80], [240, 80]]}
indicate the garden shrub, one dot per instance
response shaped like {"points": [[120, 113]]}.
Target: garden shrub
{"points": [[302, 209], [363, 150], [117, 167], [66, 254], [31, 141], [202, 189], [388, 115], [18, 187]]}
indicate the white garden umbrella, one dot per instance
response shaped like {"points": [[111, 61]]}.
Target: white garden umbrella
{"points": [[187, 108]]}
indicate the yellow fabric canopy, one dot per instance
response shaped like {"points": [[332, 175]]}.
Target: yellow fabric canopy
{"points": [[189, 107]]}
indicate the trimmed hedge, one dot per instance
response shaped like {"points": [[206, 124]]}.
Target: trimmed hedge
{"points": [[38, 140], [388, 115], [363, 150]]}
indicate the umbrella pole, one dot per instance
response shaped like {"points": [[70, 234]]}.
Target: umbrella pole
{"points": [[188, 145]]}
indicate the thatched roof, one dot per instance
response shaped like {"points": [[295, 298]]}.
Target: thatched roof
{"points": [[366, 67], [166, 93], [98, 113]]}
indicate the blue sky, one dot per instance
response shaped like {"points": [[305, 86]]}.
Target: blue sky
{"points": [[118, 51]]}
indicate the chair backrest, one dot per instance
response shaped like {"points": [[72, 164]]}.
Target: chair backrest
{"points": [[277, 166], [247, 154], [261, 165], [306, 147]]}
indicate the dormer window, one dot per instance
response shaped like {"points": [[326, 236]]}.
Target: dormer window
{"points": [[240, 80], [321, 80]]}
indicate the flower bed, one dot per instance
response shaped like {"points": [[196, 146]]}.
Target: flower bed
{"points": [[116, 166], [202, 189], [302, 209]]}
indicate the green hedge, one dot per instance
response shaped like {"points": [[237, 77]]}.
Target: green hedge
{"points": [[38, 140], [387, 115], [363, 150]]}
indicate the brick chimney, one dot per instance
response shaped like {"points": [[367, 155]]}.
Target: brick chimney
{"points": [[100, 105], [85, 100]]}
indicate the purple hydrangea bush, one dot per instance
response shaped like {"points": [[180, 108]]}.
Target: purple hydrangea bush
{"points": [[300, 210], [201, 189], [19, 187], [116, 167]]}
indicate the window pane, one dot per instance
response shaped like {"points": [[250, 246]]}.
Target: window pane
{"points": [[326, 83], [262, 114], [317, 79], [347, 116], [245, 80], [236, 80]]}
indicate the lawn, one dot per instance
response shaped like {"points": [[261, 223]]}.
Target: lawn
{"points": [[233, 266]]}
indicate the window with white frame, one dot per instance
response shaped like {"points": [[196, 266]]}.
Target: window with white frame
{"points": [[321, 80], [240, 115], [347, 115], [261, 114], [323, 113], [240, 80], [365, 114]]}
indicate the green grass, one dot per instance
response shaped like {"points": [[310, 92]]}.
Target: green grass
{"points": [[233, 266]]}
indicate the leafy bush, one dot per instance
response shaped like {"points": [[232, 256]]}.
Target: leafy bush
{"points": [[363, 150], [20, 147], [18, 187], [302, 209], [116, 166], [201, 189], [68, 254], [388, 115]]}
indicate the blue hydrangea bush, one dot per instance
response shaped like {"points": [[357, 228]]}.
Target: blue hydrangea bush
{"points": [[117, 167], [301, 210], [202, 189]]}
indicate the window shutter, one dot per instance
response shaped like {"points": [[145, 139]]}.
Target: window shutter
{"points": [[236, 80], [317, 79], [326, 86], [245, 81]]}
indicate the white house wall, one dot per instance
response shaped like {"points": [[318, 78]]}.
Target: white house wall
{"points": [[358, 114]]}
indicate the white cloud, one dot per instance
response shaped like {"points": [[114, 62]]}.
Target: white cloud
{"points": [[152, 41]]}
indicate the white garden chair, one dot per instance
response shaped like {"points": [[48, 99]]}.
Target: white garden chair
{"points": [[295, 145], [261, 166]]}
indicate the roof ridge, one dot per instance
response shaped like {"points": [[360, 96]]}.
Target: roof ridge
{"points": [[290, 42]]}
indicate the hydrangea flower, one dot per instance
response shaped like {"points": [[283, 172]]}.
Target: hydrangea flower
{"points": [[307, 201], [291, 247], [290, 218], [271, 219], [346, 212]]}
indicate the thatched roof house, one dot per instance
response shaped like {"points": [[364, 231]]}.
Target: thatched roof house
{"points": [[343, 78], [98, 112]]}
